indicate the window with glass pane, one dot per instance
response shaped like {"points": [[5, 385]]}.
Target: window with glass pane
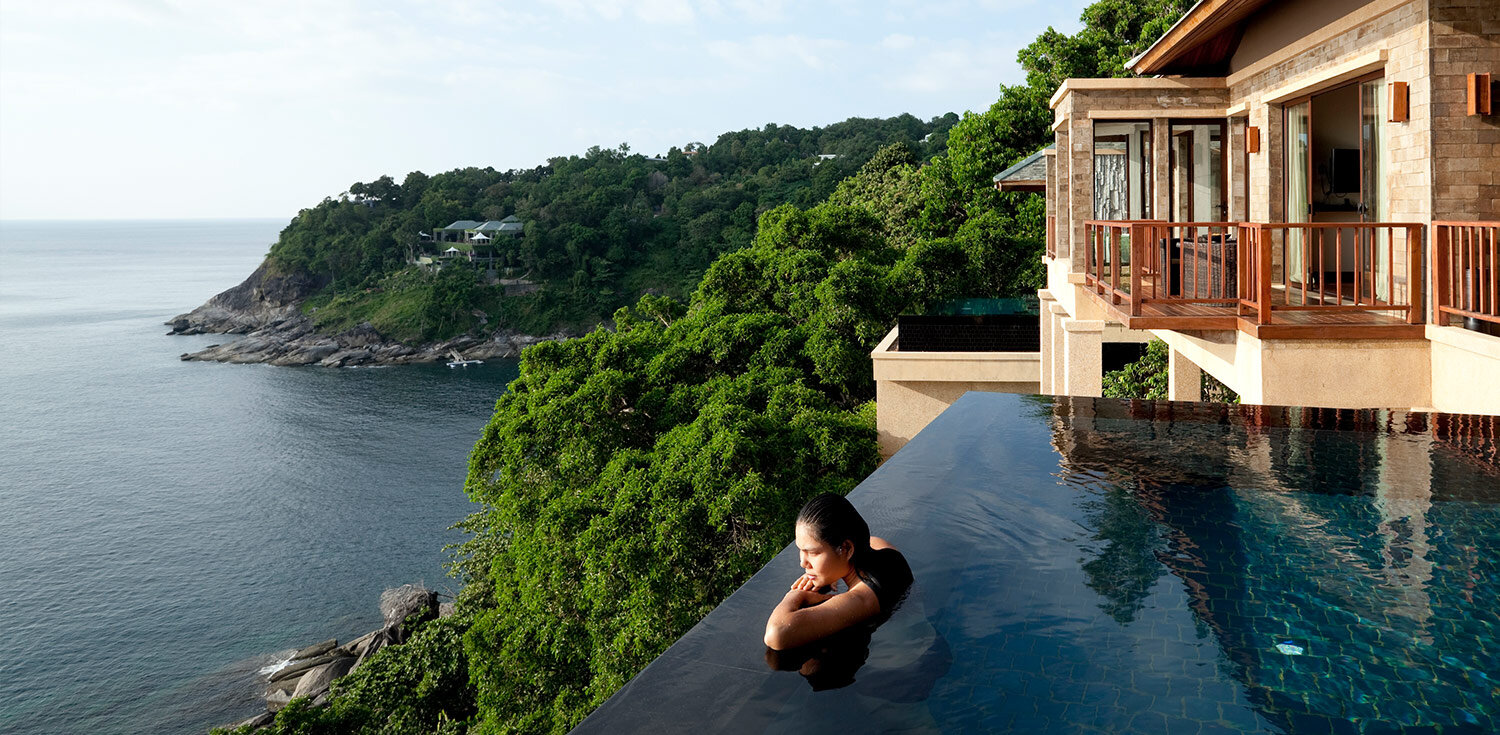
{"points": [[1122, 170], [1197, 173]]}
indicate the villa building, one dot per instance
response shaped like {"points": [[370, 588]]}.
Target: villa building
{"points": [[471, 232], [1300, 198]]}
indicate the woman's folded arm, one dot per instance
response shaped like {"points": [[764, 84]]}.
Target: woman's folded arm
{"points": [[803, 617]]}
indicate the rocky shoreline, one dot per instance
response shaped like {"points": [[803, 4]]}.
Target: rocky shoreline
{"points": [[265, 310], [310, 671]]}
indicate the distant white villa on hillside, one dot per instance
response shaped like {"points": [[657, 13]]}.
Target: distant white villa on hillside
{"points": [[469, 231]]}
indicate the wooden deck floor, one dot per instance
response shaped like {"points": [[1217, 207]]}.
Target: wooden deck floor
{"points": [[1331, 323]]}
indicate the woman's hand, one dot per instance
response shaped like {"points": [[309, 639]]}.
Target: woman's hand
{"points": [[805, 583], [804, 598]]}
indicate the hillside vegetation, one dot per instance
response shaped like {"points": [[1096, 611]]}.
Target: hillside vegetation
{"points": [[601, 229], [632, 478]]}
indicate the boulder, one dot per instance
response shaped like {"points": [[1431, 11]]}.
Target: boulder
{"points": [[362, 335], [277, 699], [382, 638], [399, 603], [356, 647], [287, 685], [316, 649], [296, 668], [446, 609], [257, 722], [316, 681]]}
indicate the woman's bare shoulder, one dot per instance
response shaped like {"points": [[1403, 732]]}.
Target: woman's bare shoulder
{"points": [[877, 542]]}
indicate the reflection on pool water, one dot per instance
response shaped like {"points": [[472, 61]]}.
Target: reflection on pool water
{"points": [[1091, 565]]}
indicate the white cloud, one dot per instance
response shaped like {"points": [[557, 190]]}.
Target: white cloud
{"points": [[952, 65], [664, 11], [760, 52], [648, 11], [898, 41]]}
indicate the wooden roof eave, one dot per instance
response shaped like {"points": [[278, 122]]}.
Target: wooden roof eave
{"points": [[1201, 42], [1025, 185]]}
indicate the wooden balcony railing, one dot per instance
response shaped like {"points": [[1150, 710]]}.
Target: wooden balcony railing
{"points": [[1332, 267], [1136, 262], [1466, 271], [1254, 270]]}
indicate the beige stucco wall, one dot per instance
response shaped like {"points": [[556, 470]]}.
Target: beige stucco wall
{"points": [[904, 408], [1465, 370], [912, 388], [1330, 373]]}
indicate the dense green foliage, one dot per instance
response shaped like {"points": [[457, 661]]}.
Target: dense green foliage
{"points": [[631, 478], [1144, 378], [1147, 378], [600, 229]]}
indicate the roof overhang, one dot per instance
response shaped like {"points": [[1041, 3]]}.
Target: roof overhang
{"points": [[1029, 174], [1201, 42]]}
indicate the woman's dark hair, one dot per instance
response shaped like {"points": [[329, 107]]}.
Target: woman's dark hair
{"points": [[834, 520]]}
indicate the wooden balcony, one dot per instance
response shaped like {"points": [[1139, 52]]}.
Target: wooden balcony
{"points": [[1273, 281], [1466, 272]]}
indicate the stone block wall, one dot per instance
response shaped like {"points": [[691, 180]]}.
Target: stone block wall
{"points": [[1465, 38], [1071, 191]]}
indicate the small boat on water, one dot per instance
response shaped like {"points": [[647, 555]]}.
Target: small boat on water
{"points": [[459, 361]]}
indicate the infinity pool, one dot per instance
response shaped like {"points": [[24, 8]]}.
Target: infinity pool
{"points": [[1092, 565]]}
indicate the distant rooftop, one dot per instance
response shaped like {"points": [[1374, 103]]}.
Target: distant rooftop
{"points": [[1029, 174]]}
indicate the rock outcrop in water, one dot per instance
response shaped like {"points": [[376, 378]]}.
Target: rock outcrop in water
{"points": [[262, 300], [310, 671], [265, 308]]}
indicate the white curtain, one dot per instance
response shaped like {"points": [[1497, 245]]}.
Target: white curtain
{"points": [[1298, 144]]}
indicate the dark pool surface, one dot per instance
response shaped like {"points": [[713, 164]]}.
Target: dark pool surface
{"points": [[1091, 565]]}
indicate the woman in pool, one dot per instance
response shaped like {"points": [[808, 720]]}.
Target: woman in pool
{"points": [[834, 544]]}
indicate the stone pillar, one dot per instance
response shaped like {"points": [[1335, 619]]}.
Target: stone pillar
{"points": [[1184, 379], [1161, 158], [1083, 357], [1045, 379], [1059, 349]]}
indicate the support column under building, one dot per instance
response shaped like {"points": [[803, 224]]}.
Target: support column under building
{"points": [[1048, 353], [1083, 357], [1057, 351], [1184, 379]]}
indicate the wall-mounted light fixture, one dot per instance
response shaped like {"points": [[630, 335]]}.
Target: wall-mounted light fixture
{"points": [[1252, 139], [1400, 102], [1480, 94]]}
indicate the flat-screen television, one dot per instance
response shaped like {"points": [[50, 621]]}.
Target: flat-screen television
{"points": [[1343, 171]]}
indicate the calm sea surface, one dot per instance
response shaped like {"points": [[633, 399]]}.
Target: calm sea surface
{"points": [[167, 528]]}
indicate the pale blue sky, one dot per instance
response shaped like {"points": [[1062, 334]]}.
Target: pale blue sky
{"points": [[170, 108]]}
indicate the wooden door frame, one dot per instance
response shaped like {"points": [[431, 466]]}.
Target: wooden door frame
{"points": [[1223, 167], [1358, 83]]}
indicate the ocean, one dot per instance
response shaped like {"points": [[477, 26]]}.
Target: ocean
{"points": [[167, 528]]}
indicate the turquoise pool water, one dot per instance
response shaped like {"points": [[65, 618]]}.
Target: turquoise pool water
{"points": [[1092, 565]]}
